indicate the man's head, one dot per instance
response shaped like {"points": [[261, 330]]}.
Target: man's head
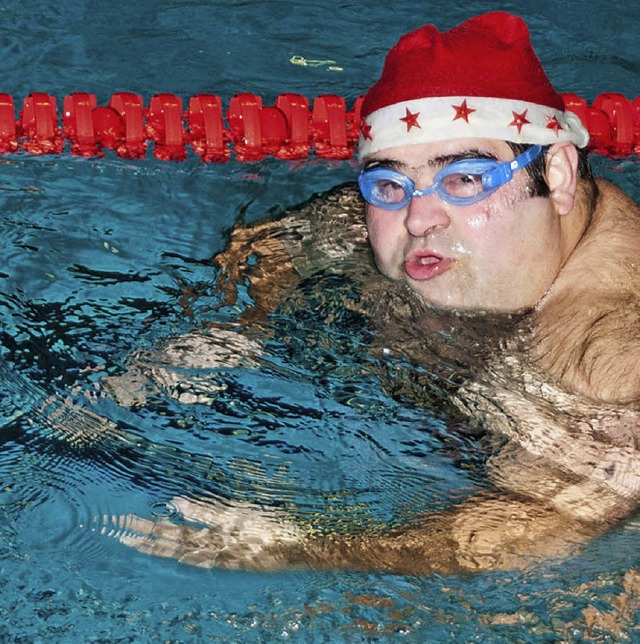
{"points": [[486, 235]]}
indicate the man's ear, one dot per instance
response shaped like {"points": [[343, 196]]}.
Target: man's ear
{"points": [[562, 176]]}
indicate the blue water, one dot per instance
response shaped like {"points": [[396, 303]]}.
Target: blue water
{"points": [[95, 256]]}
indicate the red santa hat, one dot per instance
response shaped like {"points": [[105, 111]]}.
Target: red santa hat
{"points": [[479, 79]]}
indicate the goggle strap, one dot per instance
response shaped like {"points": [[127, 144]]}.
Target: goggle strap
{"points": [[524, 159], [503, 173]]}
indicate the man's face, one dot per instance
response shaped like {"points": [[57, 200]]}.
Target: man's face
{"points": [[501, 253]]}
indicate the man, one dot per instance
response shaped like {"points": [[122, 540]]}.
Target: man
{"points": [[480, 200]]}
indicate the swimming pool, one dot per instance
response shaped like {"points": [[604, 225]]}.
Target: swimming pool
{"points": [[96, 256]]}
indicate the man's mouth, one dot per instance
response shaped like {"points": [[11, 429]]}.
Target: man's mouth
{"points": [[425, 265]]}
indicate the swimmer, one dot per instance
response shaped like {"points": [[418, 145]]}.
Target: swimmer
{"points": [[477, 195]]}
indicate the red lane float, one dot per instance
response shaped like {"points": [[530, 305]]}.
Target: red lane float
{"points": [[292, 128]]}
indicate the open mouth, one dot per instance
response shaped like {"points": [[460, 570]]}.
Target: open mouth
{"points": [[426, 265]]}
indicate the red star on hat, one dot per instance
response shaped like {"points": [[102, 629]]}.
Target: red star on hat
{"points": [[519, 120], [462, 111], [554, 124], [365, 128], [410, 119]]}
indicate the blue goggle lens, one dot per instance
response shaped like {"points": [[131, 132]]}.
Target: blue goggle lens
{"points": [[462, 183]]}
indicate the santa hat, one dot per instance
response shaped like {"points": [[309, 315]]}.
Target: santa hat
{"points": [[479, 79]]}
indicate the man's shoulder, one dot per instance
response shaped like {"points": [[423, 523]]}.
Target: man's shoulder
{"points": [[587, 325], [614, 206], [607, 255]]}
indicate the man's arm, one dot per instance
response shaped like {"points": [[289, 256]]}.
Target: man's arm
{"points": [[550, 497], [592, 347], [569, 471], [185, 367], [484, 533], [268, 258]]}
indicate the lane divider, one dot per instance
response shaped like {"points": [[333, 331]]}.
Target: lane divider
{"points": [[292, 128]]}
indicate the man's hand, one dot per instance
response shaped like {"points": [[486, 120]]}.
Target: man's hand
{"points": [[211, 535], [257, 258]]}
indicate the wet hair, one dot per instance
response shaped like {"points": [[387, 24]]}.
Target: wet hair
{"points": [[537, 170]]}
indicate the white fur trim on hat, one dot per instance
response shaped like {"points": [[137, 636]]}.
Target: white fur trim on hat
{"points": [[453, 117]]}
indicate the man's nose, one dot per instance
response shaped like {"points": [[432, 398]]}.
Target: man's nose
{"points": [[425, 214]]}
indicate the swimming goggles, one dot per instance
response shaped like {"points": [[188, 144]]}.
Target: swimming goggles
{"points": [[462, 183]]}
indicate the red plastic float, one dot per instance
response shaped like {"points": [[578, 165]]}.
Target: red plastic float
{"points": [[292, 128], [208, 136], [8, 137], [77, 119]]}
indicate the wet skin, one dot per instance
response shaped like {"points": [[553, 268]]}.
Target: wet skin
{"points": [[500, 254]]}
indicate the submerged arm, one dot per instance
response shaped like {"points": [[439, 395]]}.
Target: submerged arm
{"points": [[480, 534], [559, 481], [327, 233]]}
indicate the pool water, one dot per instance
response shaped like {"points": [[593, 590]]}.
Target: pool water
{"points": [[96, 257]]}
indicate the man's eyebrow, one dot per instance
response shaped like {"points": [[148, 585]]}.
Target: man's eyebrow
{"points": [[473, 153], [435, 162], [393, 164]]}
